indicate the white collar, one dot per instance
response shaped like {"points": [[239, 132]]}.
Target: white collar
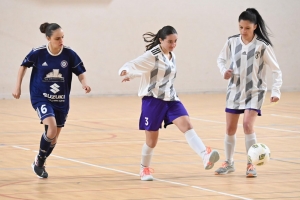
{"points": [[47, 46], [254, 38]]}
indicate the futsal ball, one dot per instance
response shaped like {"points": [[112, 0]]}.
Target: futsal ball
{"points": [[259, 154]]}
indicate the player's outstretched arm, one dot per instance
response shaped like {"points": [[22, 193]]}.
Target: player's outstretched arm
{"points": [[274, 99], [82, 79], [124, 73], [17, 92], [127, 76]]}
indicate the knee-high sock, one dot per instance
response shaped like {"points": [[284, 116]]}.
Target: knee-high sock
{"points": [[229, 144], [52, 146], [195, 142], [44, 145], [146, 155], [250, 139]]}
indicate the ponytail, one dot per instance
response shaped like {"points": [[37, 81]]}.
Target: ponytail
{"points": [[153, 39], [252, 15]]}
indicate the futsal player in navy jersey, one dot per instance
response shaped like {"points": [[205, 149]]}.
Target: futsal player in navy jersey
{"points": [[157, 69], [50, 84]]}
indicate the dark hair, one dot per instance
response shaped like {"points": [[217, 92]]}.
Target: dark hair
{"points": [[48, 28], [153, 39], [253, 16]]}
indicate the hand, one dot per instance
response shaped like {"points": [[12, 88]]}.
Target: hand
{"points": [[274, 99], [17, 93], [86, 88], [126, 79], [123, 73], [228, 74]]}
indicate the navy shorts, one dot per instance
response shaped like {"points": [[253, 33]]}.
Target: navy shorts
{"points": [[45, 110], [155, 111], [240, 111]]}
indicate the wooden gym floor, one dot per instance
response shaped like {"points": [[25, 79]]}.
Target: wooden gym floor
{"points": [[99, 150]]}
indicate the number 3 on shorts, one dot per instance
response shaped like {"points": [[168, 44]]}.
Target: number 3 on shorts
{"points": [[43, 108], [146, 121]]}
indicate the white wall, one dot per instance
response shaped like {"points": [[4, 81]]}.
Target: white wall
{"points": [[107, 33]]}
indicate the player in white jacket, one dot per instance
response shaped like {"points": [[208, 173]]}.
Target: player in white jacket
{"points": [[160, 102], [250, 53]]}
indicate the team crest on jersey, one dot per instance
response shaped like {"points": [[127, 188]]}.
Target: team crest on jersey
{"points": [[257, 53], [64, 64]]}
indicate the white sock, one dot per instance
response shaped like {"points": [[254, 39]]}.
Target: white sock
{"points": [[146, 155], [229, 147], [195, 142], [250, 139]]}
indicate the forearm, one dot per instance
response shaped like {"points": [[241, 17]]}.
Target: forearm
{"points": [[82, 79], [21, 74], [128, 74], [277, 82], [271, 61], [222, 58], [221, 65], [140, 65]]}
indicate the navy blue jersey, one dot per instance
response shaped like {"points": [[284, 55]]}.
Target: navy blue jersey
{"points": [[51, 75]]}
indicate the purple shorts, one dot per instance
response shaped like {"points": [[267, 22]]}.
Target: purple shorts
{"points": [[45, 110], [155, 111], [240, 111]]}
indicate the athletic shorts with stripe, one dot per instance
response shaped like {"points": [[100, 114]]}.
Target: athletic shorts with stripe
{"points": [[155, 111], [45, 110]]}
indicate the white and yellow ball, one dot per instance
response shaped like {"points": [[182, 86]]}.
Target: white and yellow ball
{"points": [[259, 154]]}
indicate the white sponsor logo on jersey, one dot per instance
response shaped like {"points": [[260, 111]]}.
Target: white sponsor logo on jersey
{"points": [[54, 97], [44, 64], [54, 76], [50, 96], [64, 64], [54, 88]]}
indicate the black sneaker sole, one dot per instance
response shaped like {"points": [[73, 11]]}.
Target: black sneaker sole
{"points": [[32, 166]]}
